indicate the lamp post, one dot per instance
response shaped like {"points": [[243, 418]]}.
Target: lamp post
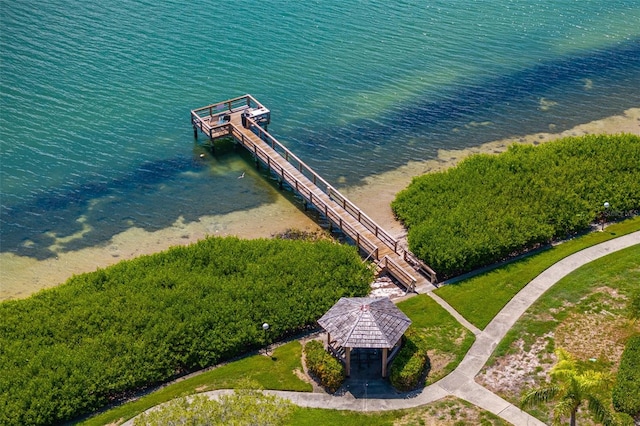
{"points": [[604, 213], [265, 327]]}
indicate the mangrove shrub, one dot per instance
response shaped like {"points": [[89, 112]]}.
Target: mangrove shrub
{"points": [[411, 363], [491, 207], [103, 335]]}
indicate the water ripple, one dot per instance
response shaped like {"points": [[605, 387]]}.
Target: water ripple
{"points": [[93, 93]]}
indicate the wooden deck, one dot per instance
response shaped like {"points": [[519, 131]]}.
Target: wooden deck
{"points": [[246, 120]]}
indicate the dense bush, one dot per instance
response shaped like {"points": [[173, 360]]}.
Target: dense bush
{"points": [[493, 206], [329, 371], [75, 348], [411, 362], [626, 392]]}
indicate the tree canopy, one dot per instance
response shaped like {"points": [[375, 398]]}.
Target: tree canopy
{"points": [[571, 386]]}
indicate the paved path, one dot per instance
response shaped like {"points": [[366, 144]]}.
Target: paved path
{"points": [[460, 382]]}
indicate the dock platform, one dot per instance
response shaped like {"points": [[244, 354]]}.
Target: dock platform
{"points": [[246, 120]]}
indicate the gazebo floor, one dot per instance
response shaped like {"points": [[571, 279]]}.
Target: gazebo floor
{"points": [[366, 375], [366, 363]]}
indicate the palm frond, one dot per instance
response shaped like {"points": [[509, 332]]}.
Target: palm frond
{"points": [[566, 407], [566, 366], [539, 395], [600, 411], [564, 355], [594, 381]]}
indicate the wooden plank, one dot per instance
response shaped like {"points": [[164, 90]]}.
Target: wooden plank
{"points": [[298, 175]]}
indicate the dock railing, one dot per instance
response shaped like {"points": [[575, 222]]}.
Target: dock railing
{"points": [[327, 188], [361, 240], [227, 107], [211, 121], [216, 126], [211, 118], [398, 272], [420, 266], [343, 201]]}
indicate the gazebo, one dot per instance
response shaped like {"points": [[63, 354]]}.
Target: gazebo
{"points": [[364, 322]]}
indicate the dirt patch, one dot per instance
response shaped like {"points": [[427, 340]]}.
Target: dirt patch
{"points": [[512, 373], [594, 336], [449, 411], [595, 328], [304, 374], [439, 362], [599, 329], [614, 299], [384, 286]]}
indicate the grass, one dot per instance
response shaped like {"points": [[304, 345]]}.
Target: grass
{"points": [[600, 289], [444, 334], [478, 298], [319, 416], [447, 411], [481, 297], [575, 294], [275, 372], [446, 338]]}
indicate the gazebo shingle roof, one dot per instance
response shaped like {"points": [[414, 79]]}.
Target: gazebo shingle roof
{"points": [[365, 322]]}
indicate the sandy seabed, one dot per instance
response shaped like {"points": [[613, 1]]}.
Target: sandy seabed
{"points": [[23, 276]]}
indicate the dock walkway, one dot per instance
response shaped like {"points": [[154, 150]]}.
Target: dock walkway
{"points": [[246, 120]]}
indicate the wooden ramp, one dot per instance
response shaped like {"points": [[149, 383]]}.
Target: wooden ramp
{"points": [[246, 120]]}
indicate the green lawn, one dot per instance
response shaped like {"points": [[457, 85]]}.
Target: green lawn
{"points": [[319, 416], [275, 372], [446, 338], [481, 297], [574, 294], [444, 334], [478, 299], [599, 289]]}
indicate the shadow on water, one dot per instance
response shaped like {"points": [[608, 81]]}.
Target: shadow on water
{"points": [[157, 194], [560, 94], [152, 197]]}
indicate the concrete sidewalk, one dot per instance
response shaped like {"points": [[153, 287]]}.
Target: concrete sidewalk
{"points": [[460, 382]]}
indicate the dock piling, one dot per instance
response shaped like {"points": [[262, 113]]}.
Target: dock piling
{"points": [[245, 120]]}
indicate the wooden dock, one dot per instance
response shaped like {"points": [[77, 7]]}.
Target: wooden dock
{"points": [[246, 120]]}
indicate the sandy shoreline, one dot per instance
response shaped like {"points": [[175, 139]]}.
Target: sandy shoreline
{"points": [[22, 276], [387, 185]]}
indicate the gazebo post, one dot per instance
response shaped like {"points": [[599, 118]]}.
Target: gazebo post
{"points": [[347, 361], [328, 339], [384, 362]]}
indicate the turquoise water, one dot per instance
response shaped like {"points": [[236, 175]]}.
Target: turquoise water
{"points": [[95, 96]]}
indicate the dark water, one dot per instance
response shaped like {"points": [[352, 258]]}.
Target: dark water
{"points": [[95, 97]]}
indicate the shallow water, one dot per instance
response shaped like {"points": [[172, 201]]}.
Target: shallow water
{"points": [[95, 97]]}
